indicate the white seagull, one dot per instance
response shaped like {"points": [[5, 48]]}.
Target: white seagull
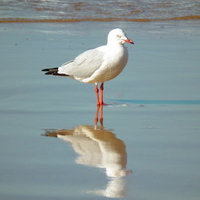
{"points": [[97, 65]]}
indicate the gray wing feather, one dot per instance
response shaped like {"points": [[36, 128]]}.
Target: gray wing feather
{"points": [[85, 64]]}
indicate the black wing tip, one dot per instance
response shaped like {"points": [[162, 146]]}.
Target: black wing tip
{"points": [[53, 71], [49, 73], [55, 74], [50, 69]]}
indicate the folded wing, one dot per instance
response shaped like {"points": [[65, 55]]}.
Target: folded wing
{"points": [[84, 65]]}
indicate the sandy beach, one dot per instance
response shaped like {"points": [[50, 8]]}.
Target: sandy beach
{"points": [[153, 114]]}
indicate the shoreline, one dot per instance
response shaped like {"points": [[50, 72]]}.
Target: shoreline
{"points": [[25, 20]]}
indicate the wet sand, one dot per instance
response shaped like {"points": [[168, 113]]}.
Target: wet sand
{"points": [[111, 19], [151, 125]]}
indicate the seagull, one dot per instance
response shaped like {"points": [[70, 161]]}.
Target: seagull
{"points": [[97, 65]]}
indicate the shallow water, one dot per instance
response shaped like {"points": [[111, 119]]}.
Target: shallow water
{"points": [[151, 125], [104, 10]]}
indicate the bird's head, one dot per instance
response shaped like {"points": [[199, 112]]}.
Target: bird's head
{"points": [[118, 36]]}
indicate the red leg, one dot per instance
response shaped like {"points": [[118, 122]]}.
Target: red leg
{"points": [[101, 95], [97, 93]]}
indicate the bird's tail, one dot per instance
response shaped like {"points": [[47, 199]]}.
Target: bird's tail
{"points": [[53, 71]]}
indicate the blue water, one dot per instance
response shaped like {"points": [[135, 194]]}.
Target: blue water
{"points": [[151, 127], [159, 102]]}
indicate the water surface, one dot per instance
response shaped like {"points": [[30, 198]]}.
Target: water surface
{"points": [[150, 127], [63, 10]]}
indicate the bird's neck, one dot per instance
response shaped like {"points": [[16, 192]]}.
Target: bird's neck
{"points": [[114, 45]]}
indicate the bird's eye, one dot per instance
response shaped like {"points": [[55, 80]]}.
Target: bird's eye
{"points": [[119, 36]]}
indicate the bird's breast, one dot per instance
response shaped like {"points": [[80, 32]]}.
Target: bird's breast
{"points": [[114, 62]]}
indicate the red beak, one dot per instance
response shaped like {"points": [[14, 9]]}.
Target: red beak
{"points": [[129, 41]]}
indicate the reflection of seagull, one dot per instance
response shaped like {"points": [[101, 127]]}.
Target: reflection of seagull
{"points": [[99, 148], [96, 147], [97, 65]]}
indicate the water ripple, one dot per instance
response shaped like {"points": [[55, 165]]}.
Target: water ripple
{"points": [[160, 102], [55, 10]]}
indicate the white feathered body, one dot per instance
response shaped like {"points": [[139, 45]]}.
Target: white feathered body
{"points": [[97, 65]]}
